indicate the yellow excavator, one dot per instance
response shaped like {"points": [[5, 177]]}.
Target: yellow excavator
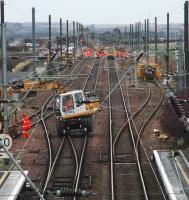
{"points": [[74, 110]]}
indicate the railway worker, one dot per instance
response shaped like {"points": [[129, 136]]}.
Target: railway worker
{"points": [[25, 126]]}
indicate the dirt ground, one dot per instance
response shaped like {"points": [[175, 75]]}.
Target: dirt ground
{"points": [[97, 153]]}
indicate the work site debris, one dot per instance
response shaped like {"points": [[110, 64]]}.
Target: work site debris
{"points": [[160, 135]]}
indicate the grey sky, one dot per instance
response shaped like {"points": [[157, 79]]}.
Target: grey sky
{"points": [[95, 11]]}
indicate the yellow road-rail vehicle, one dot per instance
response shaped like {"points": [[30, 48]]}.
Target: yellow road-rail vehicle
{"points": [[110, 53], [148, 71], [74, 110]]}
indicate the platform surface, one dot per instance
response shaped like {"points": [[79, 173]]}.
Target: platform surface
{"points": [[174, 171], [10, 184]]}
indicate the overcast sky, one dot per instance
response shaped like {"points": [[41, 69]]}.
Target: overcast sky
{"points": [[95, 11]]}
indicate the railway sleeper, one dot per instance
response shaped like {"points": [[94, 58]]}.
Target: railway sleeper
{"points": [[103, 157], [63, 184], [118, 158], [68, 180], [87, 181]]}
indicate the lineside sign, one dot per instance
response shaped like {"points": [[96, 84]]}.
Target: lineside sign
{"points": [[6, 140]]}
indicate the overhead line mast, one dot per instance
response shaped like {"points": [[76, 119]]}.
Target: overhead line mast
{"points": [[4, 69]]}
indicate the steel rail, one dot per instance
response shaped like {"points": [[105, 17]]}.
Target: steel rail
{"points": [[49, 146], [89, 75], [78, 177], [133, 141], [139, 138], [151, 114], [53, 166], [97, 77], [76, 75], [39, 110], [76, 158], [36, 123], [80, 164], [132, 116], [111, 141]]}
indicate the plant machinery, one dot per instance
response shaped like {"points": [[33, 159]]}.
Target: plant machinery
{"points": [[110, 53], [148, 71], [74, 110], [16, 86], [23, 86]]}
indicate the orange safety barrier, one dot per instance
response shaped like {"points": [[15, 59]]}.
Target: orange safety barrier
{"points": [[87, 53], [122, 54], [100, 54]]}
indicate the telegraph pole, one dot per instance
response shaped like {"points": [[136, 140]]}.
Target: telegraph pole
{"points": [[138, 36], [125, 37], [147, 39], [74, 38], [77, 35], [67, 36], [4, 69], [49, 36], [135, 36], [155, 39], [61, 37], [132, 37], [167, 57], [33, 40], [186, 49]]}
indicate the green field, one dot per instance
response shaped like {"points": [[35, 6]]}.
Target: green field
{"points": [[162, 49]]}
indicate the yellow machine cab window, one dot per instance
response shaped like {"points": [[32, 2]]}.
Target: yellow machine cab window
{"points": [[79, 99], [68, 103]]}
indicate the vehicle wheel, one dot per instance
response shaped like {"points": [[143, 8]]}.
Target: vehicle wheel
{"points": [[89, 124], [85, 130], [85, 125], [61, 131], [59, 128], [64, 128]]}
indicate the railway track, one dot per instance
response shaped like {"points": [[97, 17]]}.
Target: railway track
{"points": [[55, 159], [43, 115], [90, 84], [67, 155], [127, 176], [35, 115], [77, 152]]}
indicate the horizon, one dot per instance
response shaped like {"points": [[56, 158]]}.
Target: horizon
{"points": [[91, 23]]}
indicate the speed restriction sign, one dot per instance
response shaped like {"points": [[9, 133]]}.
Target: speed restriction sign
{"points": [[6, 140]]}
